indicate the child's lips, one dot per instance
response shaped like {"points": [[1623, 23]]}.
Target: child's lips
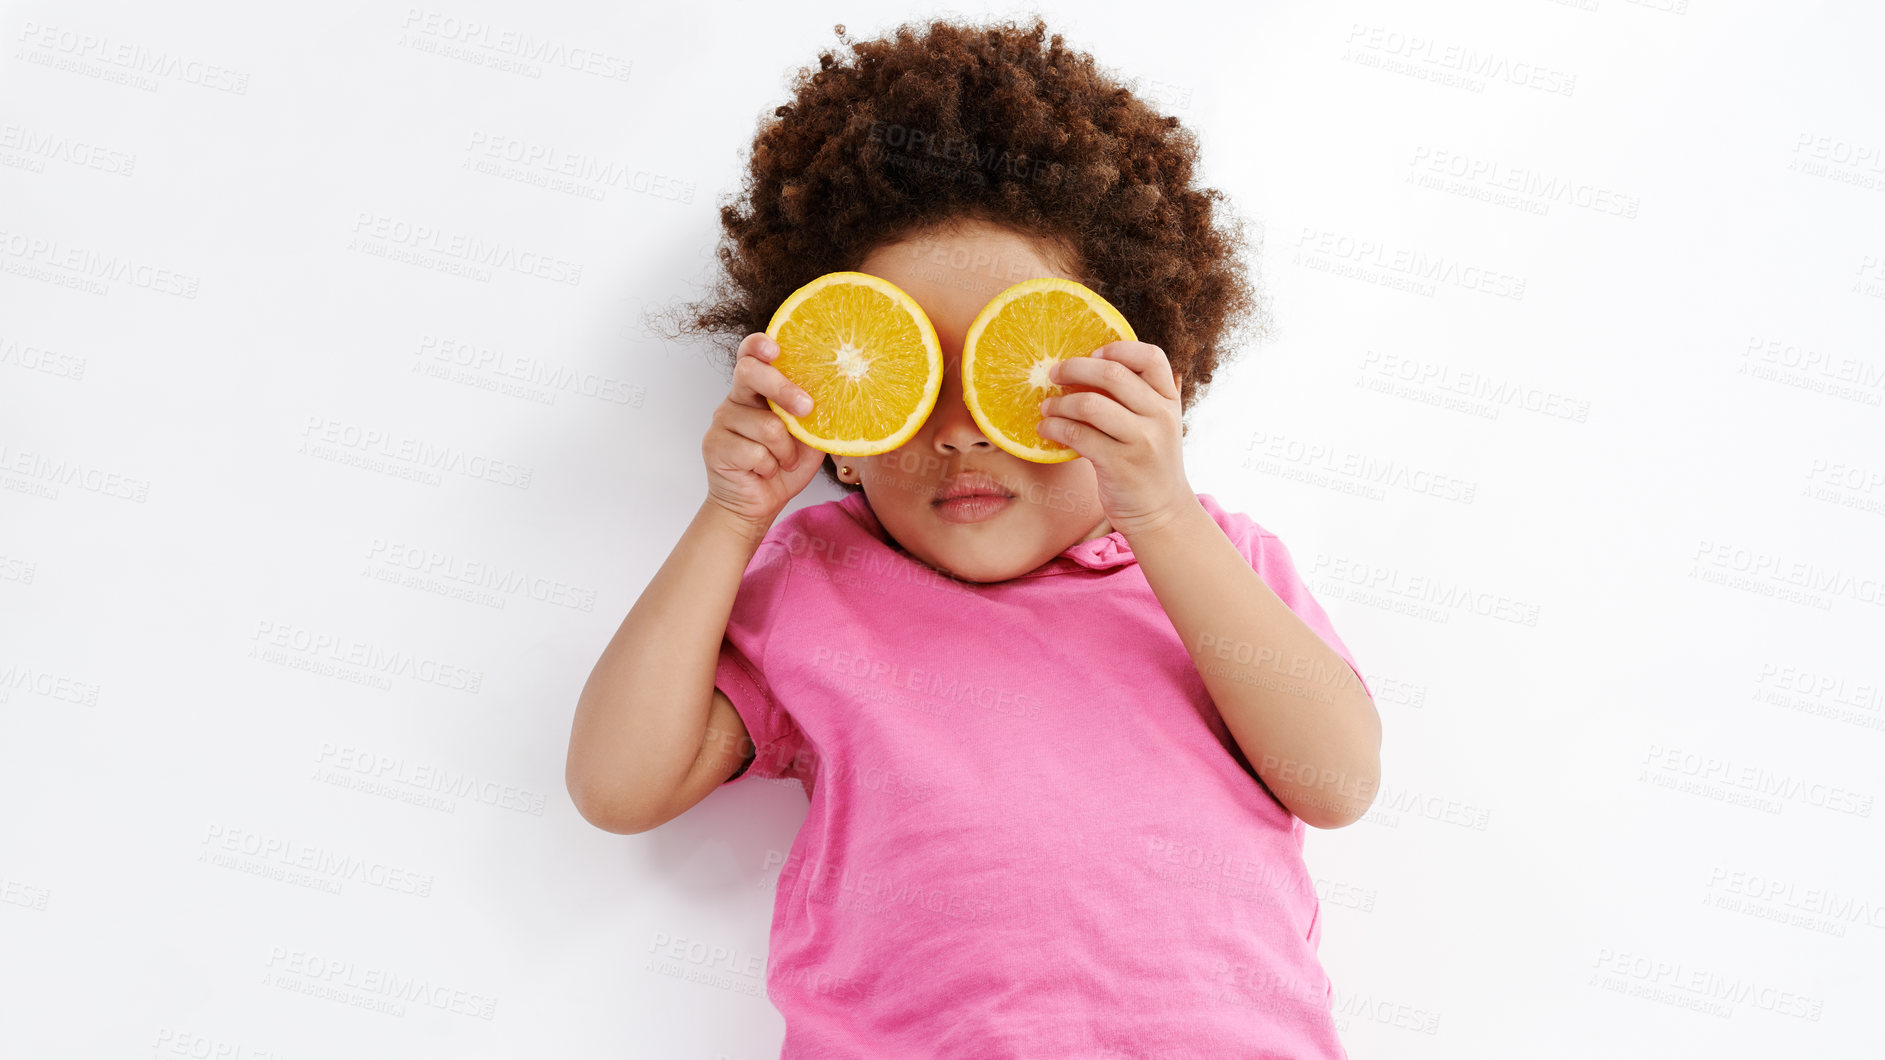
{"points": [[972, 507], [971, 484]]}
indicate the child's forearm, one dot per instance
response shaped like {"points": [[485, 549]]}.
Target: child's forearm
{"points": [[1289, 700], [642, 716]]}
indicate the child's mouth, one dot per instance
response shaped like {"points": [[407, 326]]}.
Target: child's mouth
{"points": [[973, 508], [970, 497]]}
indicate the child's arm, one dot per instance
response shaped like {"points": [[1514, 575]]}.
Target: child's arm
{"points": [[1295, 706], [640, 735], [652, 736], [1297, 710]]}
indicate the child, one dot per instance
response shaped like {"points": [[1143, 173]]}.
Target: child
{"points": [[1061, 725]]}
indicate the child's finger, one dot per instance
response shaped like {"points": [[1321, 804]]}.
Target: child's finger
{"points": [[762, 426], [1129, 388], [754, 380]]}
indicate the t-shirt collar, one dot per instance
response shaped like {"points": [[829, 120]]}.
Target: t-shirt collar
{"points": [[1106, 550]]}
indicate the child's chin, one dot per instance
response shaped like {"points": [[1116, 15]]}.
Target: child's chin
{"points": [[978, 569]]}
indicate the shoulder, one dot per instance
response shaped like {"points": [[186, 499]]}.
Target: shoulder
{"points": [[1237, 526], [1261, 548], [815, 529]]}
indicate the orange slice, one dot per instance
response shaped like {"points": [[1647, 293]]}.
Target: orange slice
{"points": [[1008, 349], [868, 356]]}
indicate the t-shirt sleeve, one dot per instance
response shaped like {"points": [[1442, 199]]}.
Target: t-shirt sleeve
{"points": [[1267, 553], [778, 745]]}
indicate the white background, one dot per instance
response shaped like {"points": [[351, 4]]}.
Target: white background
{"points": [[1606, 544]]}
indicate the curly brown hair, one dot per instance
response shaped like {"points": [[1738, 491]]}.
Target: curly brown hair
{"points": [[922, 131]]}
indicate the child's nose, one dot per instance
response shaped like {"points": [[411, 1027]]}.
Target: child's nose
{"points": [[954, 430]]}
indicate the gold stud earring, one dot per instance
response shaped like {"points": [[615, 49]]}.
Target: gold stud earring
{"points": [[844, 470]]}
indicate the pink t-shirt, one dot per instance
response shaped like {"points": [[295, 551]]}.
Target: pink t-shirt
{"points": [[1030, 833]]}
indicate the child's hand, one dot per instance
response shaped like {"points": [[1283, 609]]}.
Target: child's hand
{"points": [[1129, 426], [754, 465]]}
